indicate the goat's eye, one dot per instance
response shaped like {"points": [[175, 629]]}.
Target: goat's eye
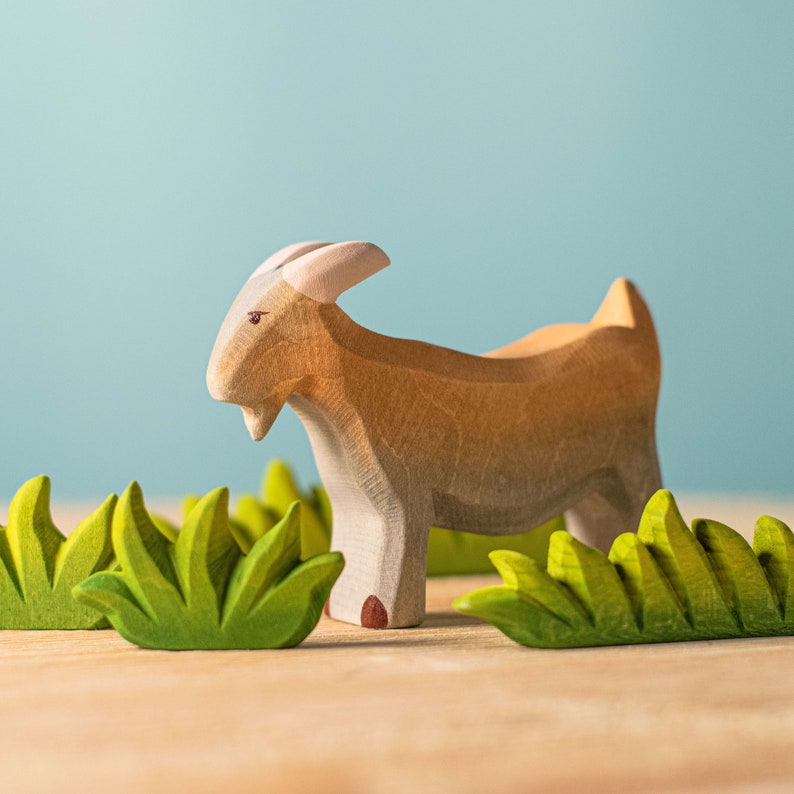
{"points": [[255, 317]]}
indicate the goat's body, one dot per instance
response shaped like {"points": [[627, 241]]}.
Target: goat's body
{"points": [[489, 445], [408, 435]]}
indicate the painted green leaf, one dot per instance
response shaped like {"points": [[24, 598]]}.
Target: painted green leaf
{"points": [[523, 574], [532, 608], [32, 537], [189, 501], [252, 519], [144, 554], [204, 553], [665, 583], [87, 549], [270, 559], [310, 585], [203, 590], [107, 592], [39, 566], [773, 544], [518, 616], [592, 578], [744, 585], [686, 566], [166, 526], [279, 491], [658, 612]]}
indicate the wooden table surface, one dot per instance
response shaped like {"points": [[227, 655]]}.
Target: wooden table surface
{"points": [[451, 706]]}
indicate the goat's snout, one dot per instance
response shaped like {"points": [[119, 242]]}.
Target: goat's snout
{"points": [[216, 385]]}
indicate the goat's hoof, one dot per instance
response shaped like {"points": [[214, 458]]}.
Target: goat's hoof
{"points": [[374, 614]]}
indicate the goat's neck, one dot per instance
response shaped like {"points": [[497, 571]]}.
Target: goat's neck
{"points": [[356, 346], [340, 349], [348, 337]]}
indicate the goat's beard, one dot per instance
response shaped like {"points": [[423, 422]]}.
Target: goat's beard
{"points": [[259, 421]]}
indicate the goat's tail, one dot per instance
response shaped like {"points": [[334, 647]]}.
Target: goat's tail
{"points": [[623, 305]]}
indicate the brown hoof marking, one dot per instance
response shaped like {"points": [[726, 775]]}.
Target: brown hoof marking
{"points": [[374, 614]]}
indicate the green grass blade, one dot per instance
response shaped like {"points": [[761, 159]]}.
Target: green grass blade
{"points": [[522, 574], [144, 555], [592, 578], [523, 620], [686, 566], [773, 544], [315, 539], [10, 587], [743, 582], [287, 613], [33, 539], [251, 520], [88, 548], [188, 504], [108, 593], [167, 527], [659, 614], [279, 491], [532, 607], [270, 559], [204, 553]]}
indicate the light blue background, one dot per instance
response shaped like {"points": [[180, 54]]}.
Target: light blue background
{"points": [[512, 158]]}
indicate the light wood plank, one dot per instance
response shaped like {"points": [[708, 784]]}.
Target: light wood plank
{"points": [[450, 706]]}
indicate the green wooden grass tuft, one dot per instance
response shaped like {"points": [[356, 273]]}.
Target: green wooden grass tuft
{"points": [[39, 566], [206, 586], [663, 584]]}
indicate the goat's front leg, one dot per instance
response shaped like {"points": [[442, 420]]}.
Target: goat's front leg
{"points": [[383, 582]]}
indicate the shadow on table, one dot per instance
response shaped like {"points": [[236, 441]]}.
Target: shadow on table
{"points": [[437, 627], [450, 619]]}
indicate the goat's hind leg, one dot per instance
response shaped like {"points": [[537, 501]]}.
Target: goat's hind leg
{"points": [[616, 502], [597, 521]]}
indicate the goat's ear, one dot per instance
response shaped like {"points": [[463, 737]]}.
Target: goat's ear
{"points": [[286, 254], [326, 273]]}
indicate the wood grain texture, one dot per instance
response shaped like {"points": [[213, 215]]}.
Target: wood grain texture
{"points": [[453, 706], [408, 435]]}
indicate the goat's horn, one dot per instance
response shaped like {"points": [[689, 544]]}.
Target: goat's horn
{"points": [[286, 254], [326, 273]]}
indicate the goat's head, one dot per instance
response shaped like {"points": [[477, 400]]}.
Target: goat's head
{"points": [[263, 350]]}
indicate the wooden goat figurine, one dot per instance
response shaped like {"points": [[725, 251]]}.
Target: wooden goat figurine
{"points": [[408, 435]]}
